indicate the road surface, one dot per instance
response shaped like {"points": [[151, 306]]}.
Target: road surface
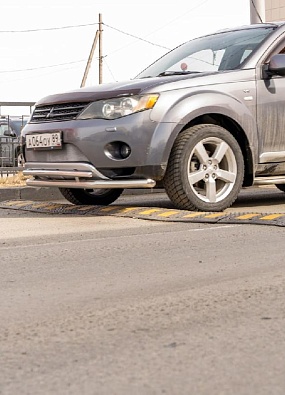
{"points": [[106, 305]]}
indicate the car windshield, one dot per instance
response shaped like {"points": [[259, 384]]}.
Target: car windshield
{"points": [[220, 51], [18, 125]]}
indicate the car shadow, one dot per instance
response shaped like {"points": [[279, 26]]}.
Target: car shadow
{"points": [[248, 197]]}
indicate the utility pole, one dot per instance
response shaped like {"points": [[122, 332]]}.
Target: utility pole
{"points": [[257, 11], [98, 35], [100, 50]]}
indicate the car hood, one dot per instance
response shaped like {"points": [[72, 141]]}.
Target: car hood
{"points": [[131, 87]]}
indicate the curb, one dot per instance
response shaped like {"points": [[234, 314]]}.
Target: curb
{"points": [[29, 193]]}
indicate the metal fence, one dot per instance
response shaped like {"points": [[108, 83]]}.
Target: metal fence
{"points": [[8, 171], [10, 163], [9, 155]]}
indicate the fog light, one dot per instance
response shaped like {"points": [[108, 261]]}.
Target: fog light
{"points": [[117, 150], [125, 151]]}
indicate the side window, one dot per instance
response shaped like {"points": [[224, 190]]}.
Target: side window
{"points": [[3, 129], [278, 50], [246, 53]]}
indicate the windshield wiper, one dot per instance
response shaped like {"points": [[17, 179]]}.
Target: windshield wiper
{"points": [[166, 73]]}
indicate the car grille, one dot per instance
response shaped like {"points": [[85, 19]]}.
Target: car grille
{"points": [[57, 112]]}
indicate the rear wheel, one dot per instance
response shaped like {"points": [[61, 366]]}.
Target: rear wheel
{"points": [[95, 197], [281, 187], [205, 170]]}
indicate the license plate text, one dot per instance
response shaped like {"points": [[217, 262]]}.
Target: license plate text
{"points": [[44, 140]]}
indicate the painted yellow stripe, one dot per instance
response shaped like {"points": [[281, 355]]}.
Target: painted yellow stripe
{"points": [[168, 214], [215, 215], [247, 216], [13, 203], [21, 204], [192, 215], [272, 216], [153, 210], [127, 209], [109, 208]]}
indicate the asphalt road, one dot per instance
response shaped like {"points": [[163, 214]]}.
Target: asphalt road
{"points": [[107, 305]]}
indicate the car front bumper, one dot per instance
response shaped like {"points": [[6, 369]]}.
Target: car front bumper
{"points": [[78, 175]]}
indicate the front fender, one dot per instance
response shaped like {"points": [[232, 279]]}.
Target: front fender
{"points": [[185, 110]]}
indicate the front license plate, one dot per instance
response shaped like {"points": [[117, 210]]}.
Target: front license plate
{"points": [[44, 140]]}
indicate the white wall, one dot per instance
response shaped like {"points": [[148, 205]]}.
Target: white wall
{"points": [[274, 10]]}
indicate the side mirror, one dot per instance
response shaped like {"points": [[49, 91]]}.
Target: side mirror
{"points": [[10, 133], [277, 65]]}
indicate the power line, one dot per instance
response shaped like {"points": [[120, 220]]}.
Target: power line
{"points": [[162, 27], [136, 37], [48, 28], [90, 24], [44, 73], [41, 67], [149, 42], [108, 67], [78, 61], [183, 15], [85, 25]]}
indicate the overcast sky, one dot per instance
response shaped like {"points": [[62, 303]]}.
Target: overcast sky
{"points": [[45, 44]]}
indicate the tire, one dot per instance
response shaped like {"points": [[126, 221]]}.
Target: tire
{"points": [[19, 159], [205, 170], [281, 187], [100, 197]]}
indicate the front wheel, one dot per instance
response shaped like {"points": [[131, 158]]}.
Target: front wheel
{"points": [[205, 170], [100, 197], [20, 161]]}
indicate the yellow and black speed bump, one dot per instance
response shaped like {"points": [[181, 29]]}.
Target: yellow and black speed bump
{"points": [[150, 213]]}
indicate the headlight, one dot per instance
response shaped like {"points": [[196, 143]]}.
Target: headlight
{"points": [[118, 107]]}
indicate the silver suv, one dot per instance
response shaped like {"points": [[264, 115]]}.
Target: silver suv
{"points": [[203, 121]]}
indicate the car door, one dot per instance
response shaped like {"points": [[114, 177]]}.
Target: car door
{"points": [[270, 112]]}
